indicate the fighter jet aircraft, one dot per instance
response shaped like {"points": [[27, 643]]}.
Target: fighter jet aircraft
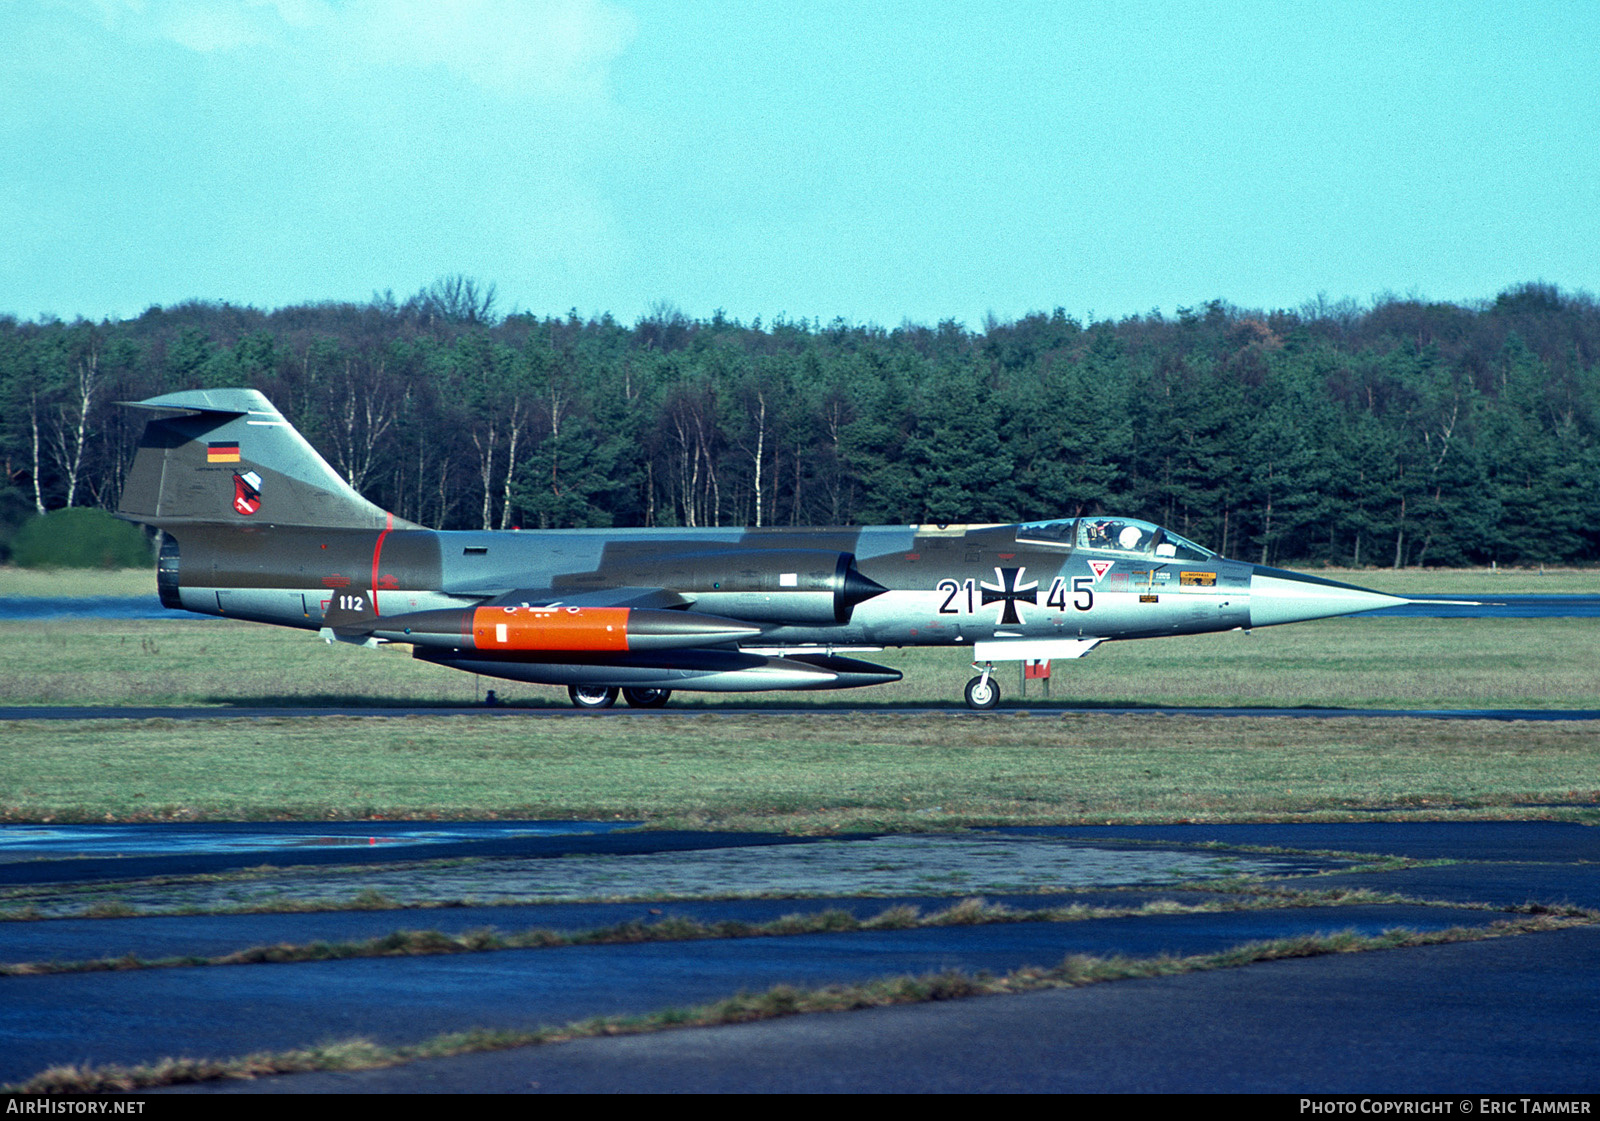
{"points": [[258, 526]]}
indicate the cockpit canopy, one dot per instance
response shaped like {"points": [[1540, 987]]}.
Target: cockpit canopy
{"points": [[1126, 537]]}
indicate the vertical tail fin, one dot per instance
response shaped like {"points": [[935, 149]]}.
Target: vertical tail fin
{"points": [[227, 457]]}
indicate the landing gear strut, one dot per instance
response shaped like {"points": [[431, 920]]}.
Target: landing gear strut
{"points": [[983, 692], [592, 696]]}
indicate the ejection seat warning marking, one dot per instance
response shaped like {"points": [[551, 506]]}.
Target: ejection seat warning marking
{"points": [[1100, 568]]}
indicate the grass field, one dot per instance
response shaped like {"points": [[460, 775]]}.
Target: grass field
{"points": [[857, 763], [817, 773], [77, 581]]}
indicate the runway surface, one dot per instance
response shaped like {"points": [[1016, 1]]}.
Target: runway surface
{"points": [[1516, 1014]]}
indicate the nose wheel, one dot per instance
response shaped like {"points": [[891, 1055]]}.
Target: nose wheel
{"points": [[983, 693], [646, 698]]}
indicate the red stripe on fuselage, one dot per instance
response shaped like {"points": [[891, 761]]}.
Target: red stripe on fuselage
{"points": [[377, 551]]}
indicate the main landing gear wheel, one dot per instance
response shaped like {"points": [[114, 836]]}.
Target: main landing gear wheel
{"points": [[982, 693], [646, 698], [592, 696]]}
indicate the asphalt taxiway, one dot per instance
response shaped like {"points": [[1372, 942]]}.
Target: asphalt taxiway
{"points": [[1519, 1013]]}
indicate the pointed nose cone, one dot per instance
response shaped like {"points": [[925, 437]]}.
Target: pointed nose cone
{"points": [[1278, 596]]}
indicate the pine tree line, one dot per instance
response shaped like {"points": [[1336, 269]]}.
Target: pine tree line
{"points": [[1405, 433]]}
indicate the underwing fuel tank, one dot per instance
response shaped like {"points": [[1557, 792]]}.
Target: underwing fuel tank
{"points": [[551, 629]]}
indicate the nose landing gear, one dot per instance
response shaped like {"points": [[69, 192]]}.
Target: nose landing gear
{"points": [[983, 692]]}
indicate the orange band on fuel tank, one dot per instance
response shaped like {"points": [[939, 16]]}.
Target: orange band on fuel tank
{"points": [[603, 629]]}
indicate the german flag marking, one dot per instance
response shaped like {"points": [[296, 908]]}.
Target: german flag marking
{"points": [[223, 452]]}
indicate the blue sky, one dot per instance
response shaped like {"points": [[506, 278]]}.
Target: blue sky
{"points": [[876, 162]]}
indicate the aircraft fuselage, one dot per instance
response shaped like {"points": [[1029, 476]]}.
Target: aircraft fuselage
{"points": [[946, 586]]}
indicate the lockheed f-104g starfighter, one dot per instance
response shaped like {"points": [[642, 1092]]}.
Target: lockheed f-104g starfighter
{"points": [[256, 525]]}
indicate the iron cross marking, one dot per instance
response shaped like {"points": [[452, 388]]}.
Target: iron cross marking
{"points": [[1010, 589]]}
